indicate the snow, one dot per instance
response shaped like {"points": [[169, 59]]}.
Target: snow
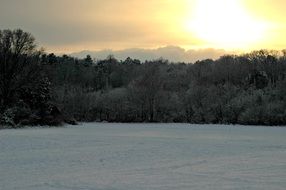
{"points": [[103, 156]]}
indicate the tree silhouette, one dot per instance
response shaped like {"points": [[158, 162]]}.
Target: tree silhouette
{"points": [[18, 57]]}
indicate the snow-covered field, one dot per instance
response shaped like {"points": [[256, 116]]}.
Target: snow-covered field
{"points": [[100, 156]]}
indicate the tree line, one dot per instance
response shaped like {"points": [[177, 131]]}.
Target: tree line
{"points": [[37, 88]]}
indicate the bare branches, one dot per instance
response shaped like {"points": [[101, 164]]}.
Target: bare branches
{"points": [[17, 52]]}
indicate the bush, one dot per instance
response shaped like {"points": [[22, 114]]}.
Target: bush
{"points": [[7, 118]]}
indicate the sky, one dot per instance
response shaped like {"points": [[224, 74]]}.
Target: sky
{"points": [[66, 26]]}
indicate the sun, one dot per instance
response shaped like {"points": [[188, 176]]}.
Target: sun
{"points": [[225, 24]]}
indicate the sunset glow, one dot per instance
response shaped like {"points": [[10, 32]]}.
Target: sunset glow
{"points": [[226, 24], [192, 24]]}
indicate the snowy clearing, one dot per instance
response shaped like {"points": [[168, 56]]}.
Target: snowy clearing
{"points": [[98, 156]]}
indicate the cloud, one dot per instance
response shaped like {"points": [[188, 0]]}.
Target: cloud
{"points": [[73, 25], [68, 26], [172, 53]]}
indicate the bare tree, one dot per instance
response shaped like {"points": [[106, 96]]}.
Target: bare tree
{"points": [[17, 55]]}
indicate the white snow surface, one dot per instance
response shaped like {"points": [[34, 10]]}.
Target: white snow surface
{"points": [[103, 156]]}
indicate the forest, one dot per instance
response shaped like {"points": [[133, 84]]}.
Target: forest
{"points": [[39, 88]]}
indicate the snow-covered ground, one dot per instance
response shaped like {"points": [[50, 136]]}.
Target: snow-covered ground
{"points": [[100, 156]]}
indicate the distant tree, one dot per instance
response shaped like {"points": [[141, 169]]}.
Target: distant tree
{"points": [[88, 61], [196, 96], [51, 58], [144, 90], [130, 61]]}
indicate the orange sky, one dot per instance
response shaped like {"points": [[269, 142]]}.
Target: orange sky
{"points": [[75, 25]]}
